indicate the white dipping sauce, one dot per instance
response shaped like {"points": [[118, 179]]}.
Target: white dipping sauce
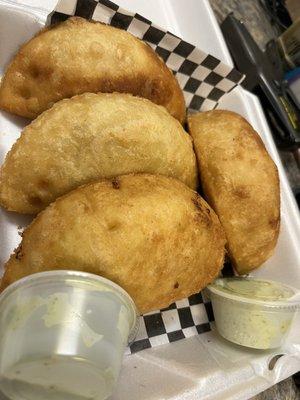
{"points": [[251, 312]]}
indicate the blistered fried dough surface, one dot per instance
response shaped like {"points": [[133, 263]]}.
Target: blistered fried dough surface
{"points": [[152, 235], [89, 137], [78, 56], [241, 183]]}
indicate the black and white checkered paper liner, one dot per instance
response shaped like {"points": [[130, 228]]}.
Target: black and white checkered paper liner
{"points": [[183, 319], [204, 80]]}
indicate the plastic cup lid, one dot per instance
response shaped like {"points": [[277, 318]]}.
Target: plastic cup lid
{"points": [[92, 280]]}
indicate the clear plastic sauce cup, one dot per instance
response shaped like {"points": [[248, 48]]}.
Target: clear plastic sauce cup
{"points": [[63, 336], [253, 312]]}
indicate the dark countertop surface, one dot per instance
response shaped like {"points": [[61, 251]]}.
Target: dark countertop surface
{"points": [[260, 27]]}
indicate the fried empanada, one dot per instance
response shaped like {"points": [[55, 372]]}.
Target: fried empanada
{"points": [[78, 56], [89, 137], [152, 235], [240, 182]]}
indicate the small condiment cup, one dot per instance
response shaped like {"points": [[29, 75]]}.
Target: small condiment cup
{"points": [[253, 312], [63, 336]]}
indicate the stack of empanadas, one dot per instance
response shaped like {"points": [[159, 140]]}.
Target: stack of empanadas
{"points": [[114, 161]]}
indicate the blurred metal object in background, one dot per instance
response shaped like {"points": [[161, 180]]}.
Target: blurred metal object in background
{"points": [[289, 45], [276, 9], [293, 7], [264, 77]]}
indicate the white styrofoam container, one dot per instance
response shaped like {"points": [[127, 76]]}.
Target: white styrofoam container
{"points": [[204, 366]]}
